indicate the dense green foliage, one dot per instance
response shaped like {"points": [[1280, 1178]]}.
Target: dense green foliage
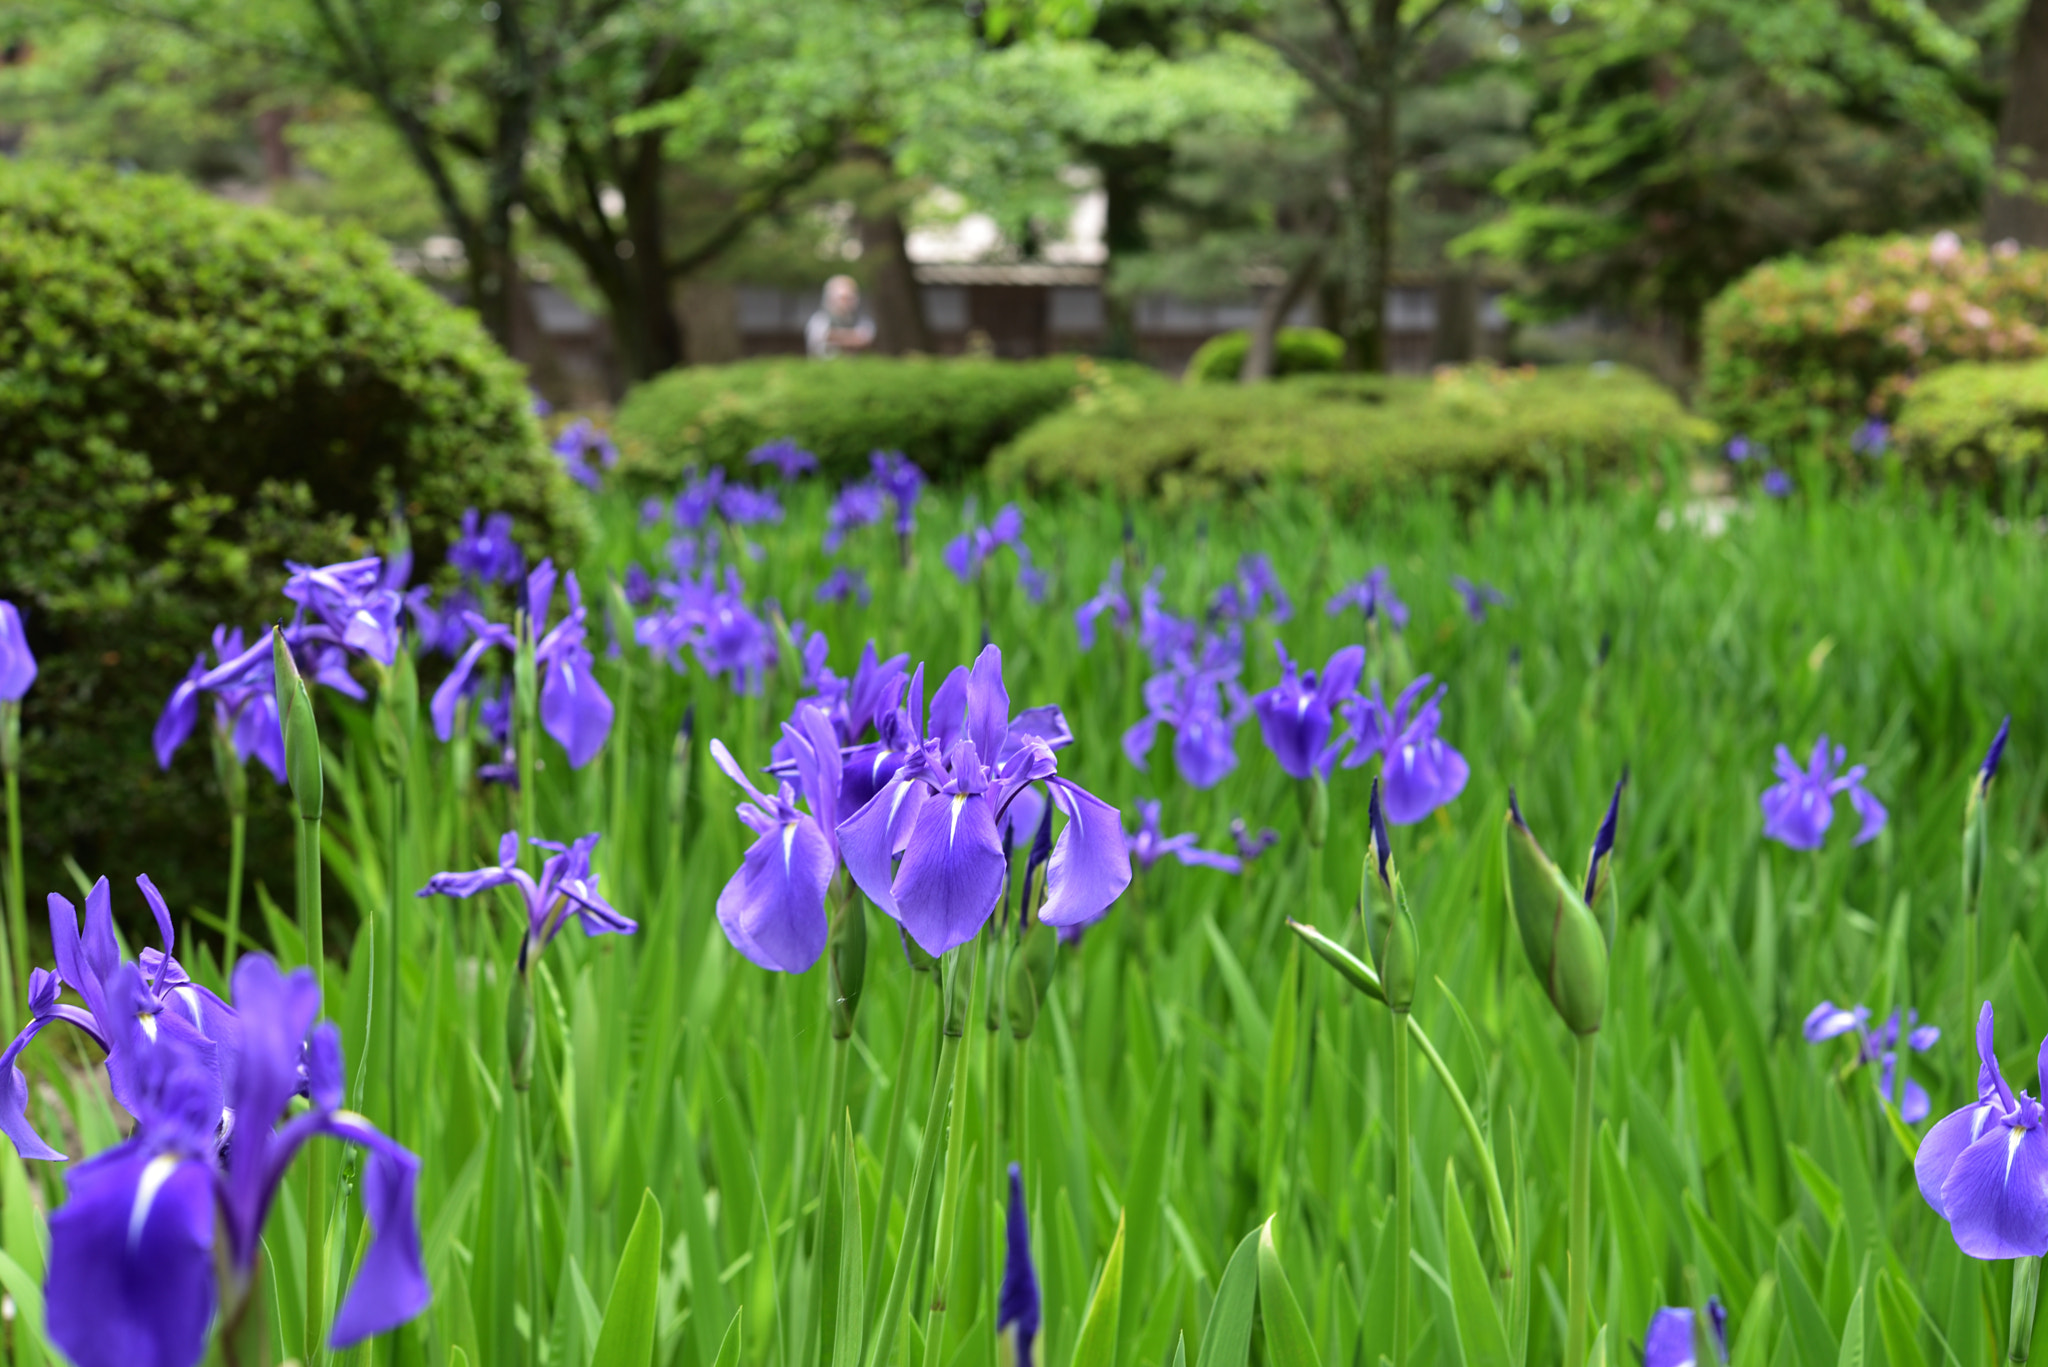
{"points": [[1806, 349], [947, 415], [1192, 1072], [190, 392], [1296, 351], [1355, 436], [1984, 424]]}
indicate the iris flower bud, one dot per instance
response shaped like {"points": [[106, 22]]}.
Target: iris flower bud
{"points": [[301, 731], [519, 1026], [1390, 930], [398, 713], [679, 769], [1031, 964], [848, 952], [1563, 939], [1976, 819]]}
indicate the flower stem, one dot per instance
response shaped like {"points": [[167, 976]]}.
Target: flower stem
{"points": [[932, 1140], [238, 839], [899, 1087], [1489, 1173], [1969, 971], [311, 927], [956, 1179], [2026, 1285], [1579, 1282], [384, 946], [1404, 1230], [529, 1181], [14, 959]]}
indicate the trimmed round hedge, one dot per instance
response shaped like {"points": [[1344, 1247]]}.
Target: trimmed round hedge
{"points": [[1978, 424], [1296, 351], [190, 392], [1805, 350], [1356, 436], [946, 414]]}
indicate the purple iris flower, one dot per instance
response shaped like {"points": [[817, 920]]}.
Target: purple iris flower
{"points": [[354, 608], [1374, 596], [638, 585], [1984, 1168], [17, 662], [790, 460], [566, 888], [244, 710], [1017, 1302], [968, 552], [1297, 714], [133, 1257], [1110, 598], [1249, 845], [1777, 483], [180, 1013], [1799, 807], [537, 405], [577, 443], [1828, 1021], [859, 504], [486, 552], [856, 707], [1203, 703], [1872, 438], [1478, 597], [1669, 1342], [773, 908], [495, 715], [1148, 846], [440, 628], [715, 622], [1244, 597], [1165, 638], [1740, 449], [699, 499], [941, 813], [1419, 769], [842, 584], [903, 482], [743, 506]]}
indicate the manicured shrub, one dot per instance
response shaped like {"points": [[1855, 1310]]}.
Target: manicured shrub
{"points": [[1977, 424], [190, 392], [1296, 351], [945, 414], [1354, 435], [1806, 350]]}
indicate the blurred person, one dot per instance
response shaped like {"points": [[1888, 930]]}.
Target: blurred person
{"points": [[838, 325]]}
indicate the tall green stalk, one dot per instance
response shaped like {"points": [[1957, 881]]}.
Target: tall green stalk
{"points": [[945, 1254], [15, 950], [1579, 1283], [1404, 1197], [2026, 1287], [238, 840], [899, 1084], [311, 927], [384, 948], [933, 1139]]}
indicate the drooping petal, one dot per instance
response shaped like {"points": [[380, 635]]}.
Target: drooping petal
{"points": [[1871, 810], [14, 1121], [1138, 742], [17, 662], [1916, 1105], [1091, 864], [574, 708], [868, 840], [391, 1284], [1827, 1021], [180, 714], [276, 1009], [952, 871], [773, 907], [449, 694], [1996, 1194], [258, 733], [1421, 777], [131, 1275]]}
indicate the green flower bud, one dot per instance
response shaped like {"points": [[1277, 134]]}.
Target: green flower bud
{"points": [[1353, 969], [1031, 965], [848, 962], [920, 962], [956, 980], [1559, 932], [1977, 821], [10, 737], [679, 769], [301, 731], [1390, 930], [1521, 718], [398, 714]]}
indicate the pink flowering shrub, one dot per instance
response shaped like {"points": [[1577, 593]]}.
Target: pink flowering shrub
{"points": [[1809, 349]]}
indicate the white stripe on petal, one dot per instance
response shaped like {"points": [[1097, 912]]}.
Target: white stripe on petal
{"points": [[154, 1175]]}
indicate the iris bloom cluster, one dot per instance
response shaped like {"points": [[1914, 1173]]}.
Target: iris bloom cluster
{"points": [[1828, 1021], [975, 547], [1800, 806], [574, 708], [565, 890], [1148, 845], [158, 1231], [709, 616], [244, 709], [791, 461], [1199, 698], [577, 443], [926, 846], [1375, 597], [1253, 592], [485, 553], [891, 479]]}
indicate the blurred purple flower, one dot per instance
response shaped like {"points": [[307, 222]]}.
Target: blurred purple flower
{"points": [[486, 553], [1110, 598], [1800, 805], [17, 661], [842, 584], [1828, 1021], [1740, 448], [244, 708], [1777, 483], [577, 443], [859, 504], [574, 708], [790, 460], [1871, 438], [1669, 1342], [1242, 598], [1419, 769], [1478, 597], [1296, 715], [1374, 596], [1148, 846], [1250, 846]]}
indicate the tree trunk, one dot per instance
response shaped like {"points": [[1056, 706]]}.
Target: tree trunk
{"points": [[2016, 205], [1381, 164], [496, 276], [1259, 356], [892, 288], [659, 344], [1457, 319]]}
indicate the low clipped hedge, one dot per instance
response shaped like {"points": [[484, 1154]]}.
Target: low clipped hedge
{"points": [[1355, 435], [1296, 351], [1805, 350], [190, 392], [945, 414], [1978, 424]]}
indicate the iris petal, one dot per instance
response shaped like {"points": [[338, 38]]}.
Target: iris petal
{"points": [[952, 872], [773, 908]]}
